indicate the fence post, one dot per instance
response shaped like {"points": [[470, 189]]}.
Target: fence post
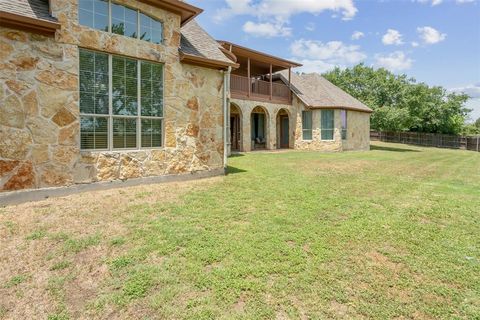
{"points": [[478, 139]]}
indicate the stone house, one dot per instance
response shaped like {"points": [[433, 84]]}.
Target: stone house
{"points": [[115, 90]]}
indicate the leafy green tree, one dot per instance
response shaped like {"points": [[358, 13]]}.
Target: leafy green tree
{"points": [[477, 123], [400, 103]]}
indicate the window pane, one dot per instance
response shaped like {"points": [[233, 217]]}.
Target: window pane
{"points": [[151, 133], [101, 63], [85, 18], [118, 19], [124, 86], [93, 132], [93, 13], [124, 133], [157, 31], [101, 133], [146, 133], [87, 133], [93, 82], [101, 104], [150, 29], [124, 20], [343, 114], [101, 7], [87, 104], [87, 81], [130, 23], [307, 125], [156, 133], [327, 124], [85, 5], [151, 89]]}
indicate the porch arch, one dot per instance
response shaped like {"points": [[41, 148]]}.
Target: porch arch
{"points": [[283, 128], [236, 128], [259, 128]]}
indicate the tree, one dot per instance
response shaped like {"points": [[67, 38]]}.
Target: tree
{"points": [[400, 103], [477, 123]]}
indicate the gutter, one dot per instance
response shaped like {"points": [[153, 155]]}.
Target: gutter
{"points": [[226, 107], [16, 21]]}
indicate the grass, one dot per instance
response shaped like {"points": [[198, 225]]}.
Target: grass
{"points": [[16, 280], [390, 233]]}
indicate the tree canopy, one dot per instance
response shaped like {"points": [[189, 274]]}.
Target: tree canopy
{"points": [[400, 103]]}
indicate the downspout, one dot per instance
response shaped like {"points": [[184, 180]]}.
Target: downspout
{"points": [[226, 95]]}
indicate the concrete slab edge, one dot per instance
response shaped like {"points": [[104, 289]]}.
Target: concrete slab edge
{"points": [[21, 196]]}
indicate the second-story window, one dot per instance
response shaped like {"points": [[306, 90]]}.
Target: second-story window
{"points": [[111, 17], [124, 21], [94, 14]]}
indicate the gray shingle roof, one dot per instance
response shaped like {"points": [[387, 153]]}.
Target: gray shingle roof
{"points": [[197, 42], [317, 92], [36, 9]]}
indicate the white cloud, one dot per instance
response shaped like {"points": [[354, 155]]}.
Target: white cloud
{"points": [[319, 66], [432, 2], [430, 35], [473, 90], [334, 51], [396, 61], [392, 37], [437, 2], [283, 10], [415, 44], [319, 57], [357, 35], [267, 30]]}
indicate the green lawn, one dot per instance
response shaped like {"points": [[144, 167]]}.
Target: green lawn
{"points": [[389, 233]]}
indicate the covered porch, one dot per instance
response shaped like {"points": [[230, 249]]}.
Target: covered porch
{"points": [[254, 79]]}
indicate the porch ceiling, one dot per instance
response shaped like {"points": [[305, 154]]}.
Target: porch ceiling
{"points": [[259, 61]]}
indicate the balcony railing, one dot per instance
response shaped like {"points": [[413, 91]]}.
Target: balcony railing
{"points": [[259, 89]]}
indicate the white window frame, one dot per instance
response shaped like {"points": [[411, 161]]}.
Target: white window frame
{"points": [[110, 116]]}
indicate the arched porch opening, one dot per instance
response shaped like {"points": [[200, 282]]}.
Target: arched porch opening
{"points": [[283, 129], [235, 128], [259, 128]]}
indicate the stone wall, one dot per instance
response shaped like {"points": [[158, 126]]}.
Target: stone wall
{"points": [[358, 131], [39, 107], [271, 110], [358, 127], [316, 143]]}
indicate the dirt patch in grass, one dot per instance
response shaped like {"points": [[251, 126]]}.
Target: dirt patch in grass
{"points": [[54, 253]]}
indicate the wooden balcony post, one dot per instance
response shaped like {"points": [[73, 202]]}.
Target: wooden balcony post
{"points": [[249, 79], [271, 85]]}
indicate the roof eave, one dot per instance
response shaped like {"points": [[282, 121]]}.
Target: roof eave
{"points": [[16, 21], [186, 11], [341, 107], [205, 62], [279, 61]]}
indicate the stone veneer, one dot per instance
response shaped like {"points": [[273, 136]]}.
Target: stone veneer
{"points": [[39, 106], [358, 127]]}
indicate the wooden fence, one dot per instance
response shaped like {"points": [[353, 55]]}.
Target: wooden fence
{"points": [[429, 139]]}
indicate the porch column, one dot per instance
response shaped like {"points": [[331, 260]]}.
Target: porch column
{"points": [[249, 79], [271, 85]]}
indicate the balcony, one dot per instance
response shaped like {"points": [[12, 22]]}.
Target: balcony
{"points": [[259, 90]]}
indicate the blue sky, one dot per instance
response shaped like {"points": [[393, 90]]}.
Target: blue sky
{"points": [[434, 41]]}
